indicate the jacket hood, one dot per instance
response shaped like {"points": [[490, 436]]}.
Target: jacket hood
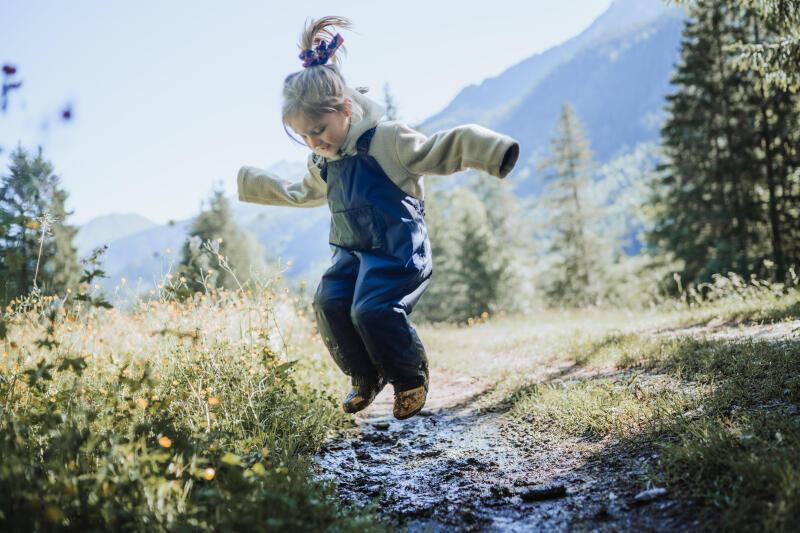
{"points": [[366, 115]]}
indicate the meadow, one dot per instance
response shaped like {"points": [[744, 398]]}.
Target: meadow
{"points": [[159, 414]]}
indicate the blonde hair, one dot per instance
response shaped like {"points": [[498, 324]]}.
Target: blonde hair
{"points": [[316, 90]]}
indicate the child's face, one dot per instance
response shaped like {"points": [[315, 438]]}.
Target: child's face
{"points": [[324, 134]]}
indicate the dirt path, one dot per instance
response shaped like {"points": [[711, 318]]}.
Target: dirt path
{"points": [[461, 467]]}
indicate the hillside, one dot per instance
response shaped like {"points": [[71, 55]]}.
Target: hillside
{"points": [[615, 74], [483, 103], [108, 228], [299, 236], [617, 89]]}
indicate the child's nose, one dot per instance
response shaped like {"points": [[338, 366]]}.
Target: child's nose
{"points": [[313, 142]]}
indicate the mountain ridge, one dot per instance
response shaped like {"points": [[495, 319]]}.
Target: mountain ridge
{"points": [[498, 93]]}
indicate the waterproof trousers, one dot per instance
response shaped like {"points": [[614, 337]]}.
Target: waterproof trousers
{"points": [[381, 266], [362, 315]]}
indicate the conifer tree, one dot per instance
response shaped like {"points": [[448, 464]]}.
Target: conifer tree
{"points": [[63, 268], [775, 148], [215, 245], [481, 267], [726, 199], [468, 268], [566, 194], [777, 58], [35, 241], [513, 248]]}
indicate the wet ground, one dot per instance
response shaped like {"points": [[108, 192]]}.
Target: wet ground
{"points": [[462, 467]]}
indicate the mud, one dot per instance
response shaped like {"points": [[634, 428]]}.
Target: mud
{"points": [[462, 467]]}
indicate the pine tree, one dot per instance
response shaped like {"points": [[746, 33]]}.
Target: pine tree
{"points": [[480, 265], [776, 59], [705, 182], [218, 253], [63, 268], [468, 268], [777, 137], [36, 244], [513, 249], [566, 194], [725, 201]]}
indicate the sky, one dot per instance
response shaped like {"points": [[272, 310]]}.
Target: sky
{"points": [[170, 98]]}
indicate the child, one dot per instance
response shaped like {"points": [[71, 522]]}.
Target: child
{"points": [[370, 173]]}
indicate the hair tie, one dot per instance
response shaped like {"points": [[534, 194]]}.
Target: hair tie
{"points": [[321, 53]]}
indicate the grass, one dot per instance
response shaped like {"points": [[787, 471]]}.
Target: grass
{"points": [[205, 414], [201, 415], [721, 412]]}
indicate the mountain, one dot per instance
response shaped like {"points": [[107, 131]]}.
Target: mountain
{"points": [[495, 96], [615, 74], [148, 254], [288, 233], [108, 228], [616, 87]]}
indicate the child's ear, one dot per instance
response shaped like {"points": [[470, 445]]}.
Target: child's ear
{"points": [[347, 107]]}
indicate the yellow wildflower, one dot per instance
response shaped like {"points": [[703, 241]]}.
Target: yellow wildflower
{"points": [[165, 442]]}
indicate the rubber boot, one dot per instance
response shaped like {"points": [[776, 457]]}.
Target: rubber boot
{"points": [[410, 402], [362, 394]]}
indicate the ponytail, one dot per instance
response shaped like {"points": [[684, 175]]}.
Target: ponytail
{"points": [[318, 88], [320, 31]]}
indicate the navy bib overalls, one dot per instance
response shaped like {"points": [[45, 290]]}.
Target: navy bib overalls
{"points": [[381, 266]]}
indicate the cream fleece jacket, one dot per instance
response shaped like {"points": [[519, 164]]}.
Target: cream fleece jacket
{"points": [[405, 155]]}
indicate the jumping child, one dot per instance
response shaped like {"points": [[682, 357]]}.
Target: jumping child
{"points": [[370, 172]]}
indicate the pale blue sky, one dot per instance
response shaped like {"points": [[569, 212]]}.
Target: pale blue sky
{"points": [[171, 97]]}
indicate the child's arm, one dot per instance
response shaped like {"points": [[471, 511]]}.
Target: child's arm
{"points": [[456, 149], [262, 187]]}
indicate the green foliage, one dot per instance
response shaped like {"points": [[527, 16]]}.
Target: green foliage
{"points": [[192, 429], [776, 58], [217, 253], [726, 198], [577, 250], [36, 244], [479, 250]]}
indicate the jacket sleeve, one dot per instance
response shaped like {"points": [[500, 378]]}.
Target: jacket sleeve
{"points": [[262, 187], [456, 149]]}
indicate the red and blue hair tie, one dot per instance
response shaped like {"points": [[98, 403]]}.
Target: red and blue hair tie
{"points": [[322, 52]]}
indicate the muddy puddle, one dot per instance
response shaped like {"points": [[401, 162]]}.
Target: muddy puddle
{"points": [[462, 467]]}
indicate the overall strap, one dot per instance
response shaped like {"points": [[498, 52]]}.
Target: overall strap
{"points": [[362, 145]]}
